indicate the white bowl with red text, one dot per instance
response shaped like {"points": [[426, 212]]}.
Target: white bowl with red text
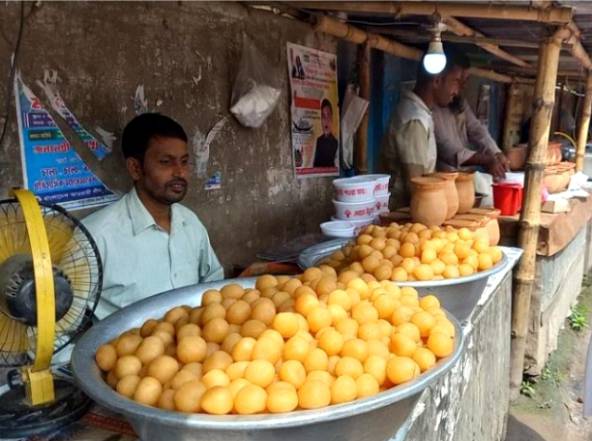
{"points": [[355, 210], [381, 184], [382, 203], [355, 189]]}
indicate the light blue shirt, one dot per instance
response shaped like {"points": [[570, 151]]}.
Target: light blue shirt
{"points": [[141, 259]]}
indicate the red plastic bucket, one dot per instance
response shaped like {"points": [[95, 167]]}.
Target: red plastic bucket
{"points": [[507, 197]]}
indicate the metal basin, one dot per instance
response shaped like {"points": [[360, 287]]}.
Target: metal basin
{"points": [[458, 296], [375, 418]]}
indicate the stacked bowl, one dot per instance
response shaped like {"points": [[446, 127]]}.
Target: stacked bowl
{"points": [[360, 199]]}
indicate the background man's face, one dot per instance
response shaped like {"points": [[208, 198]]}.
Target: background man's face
{"points": [[448, 86], [327, 120]]}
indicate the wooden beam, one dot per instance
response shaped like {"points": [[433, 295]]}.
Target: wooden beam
{"points": [[531, 207], [584, 125], [490, 75], [351, 33], [361, 152], [461, 29], [556, 15], [512, 116]]}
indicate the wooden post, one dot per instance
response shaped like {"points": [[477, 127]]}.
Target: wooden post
{"points": [[531, 207], [584, 125], [361, 152], [512, 117]]}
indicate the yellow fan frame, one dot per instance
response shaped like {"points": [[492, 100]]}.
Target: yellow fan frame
{"points": [[38, 378]]}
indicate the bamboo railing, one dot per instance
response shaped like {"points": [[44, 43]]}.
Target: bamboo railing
{"points": [[584, 125]]}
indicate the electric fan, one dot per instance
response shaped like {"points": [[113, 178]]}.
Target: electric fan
{"points": [[50, 280]]}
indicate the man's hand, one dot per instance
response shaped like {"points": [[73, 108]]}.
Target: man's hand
{"points": [[504, 160], [497, 166]]}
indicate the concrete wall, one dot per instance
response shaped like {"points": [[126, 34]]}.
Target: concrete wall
{"points": [[557, 286], [103, 51]]}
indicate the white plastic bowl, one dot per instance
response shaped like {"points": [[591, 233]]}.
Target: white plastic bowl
{"points": [[355, 210], [381, 184], [359, 224], [356, 189], [382, 203], [338, 228]]}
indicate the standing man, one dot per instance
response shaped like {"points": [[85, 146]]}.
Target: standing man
{"points": [[409, 148], [327, 144], [148, 242], [461, 138]]}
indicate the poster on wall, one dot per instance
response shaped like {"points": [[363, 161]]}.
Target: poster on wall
{"points": [[314, 111], [51, 167]]}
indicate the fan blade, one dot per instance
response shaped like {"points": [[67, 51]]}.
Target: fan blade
{"points": [[59, 234], [13, 337], [13, 232]]}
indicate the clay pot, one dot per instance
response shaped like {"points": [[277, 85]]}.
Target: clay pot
{"points": [[428, 201], [554, 153], [554, 179], [449, 179], [465, 187], [473, 225], [517, 156]]}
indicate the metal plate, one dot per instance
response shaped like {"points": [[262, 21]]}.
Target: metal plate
{"points": [[153, 424]]}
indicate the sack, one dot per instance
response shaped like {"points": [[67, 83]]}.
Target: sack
{"points": [[255, 92]]}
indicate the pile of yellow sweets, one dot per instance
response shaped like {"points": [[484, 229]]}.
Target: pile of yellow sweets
{"points": [[290, 343], [414, 252]]}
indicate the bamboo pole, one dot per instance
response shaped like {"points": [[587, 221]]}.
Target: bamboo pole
{"points": [[340, 29], [461, 29], [394, 47], [584, 125], [557, 15], [511, 117], [531, 207], [351, 33], [362, 133], [490, 75]]}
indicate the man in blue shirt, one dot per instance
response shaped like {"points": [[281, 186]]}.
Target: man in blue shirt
{"points": [[148, 242]]}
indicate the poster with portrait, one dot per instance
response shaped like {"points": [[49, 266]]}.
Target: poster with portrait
{"points": [[314, 111]]}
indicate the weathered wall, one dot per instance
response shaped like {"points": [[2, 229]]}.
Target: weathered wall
{"points": [[103, 51]]}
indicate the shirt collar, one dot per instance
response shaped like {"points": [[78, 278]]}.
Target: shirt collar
{"points": [[142, 219], [139, 215], [410, 95]]}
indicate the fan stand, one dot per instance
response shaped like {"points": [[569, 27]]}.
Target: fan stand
{"points": [[18, 419]]}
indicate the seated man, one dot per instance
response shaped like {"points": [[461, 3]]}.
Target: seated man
{"points": [[409, 148], [148, 242], [461, 138]]}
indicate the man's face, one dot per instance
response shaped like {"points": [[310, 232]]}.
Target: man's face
{"points": [[327, 120], [164, 172], [447, 86]]}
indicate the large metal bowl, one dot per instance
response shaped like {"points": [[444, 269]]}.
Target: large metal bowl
{"points": [[458, 296], [372, 419]]}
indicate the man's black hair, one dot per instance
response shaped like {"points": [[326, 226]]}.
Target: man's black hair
{"points": [[327, 103], [140, 130]]}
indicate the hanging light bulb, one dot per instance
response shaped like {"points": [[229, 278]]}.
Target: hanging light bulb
{"points": [[434, 60]]}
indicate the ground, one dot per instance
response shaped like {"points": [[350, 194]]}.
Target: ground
{"points": [[554, 409]]}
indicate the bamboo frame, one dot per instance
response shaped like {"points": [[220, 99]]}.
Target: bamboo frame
{"points": [[531, 207], [461, 29], [362, 133], [351, 33], [556, 15], [584, 125], [513, 107]]}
